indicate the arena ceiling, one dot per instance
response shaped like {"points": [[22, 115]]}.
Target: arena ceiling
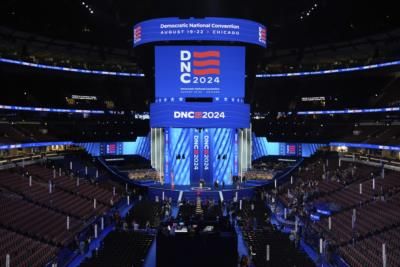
{"points": [[291, 24]]}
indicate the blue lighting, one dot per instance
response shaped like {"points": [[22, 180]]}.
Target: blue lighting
{"points": [[315, 217], [371, 146], [349, 111], [332, 71], [264, 75], [98, 72], [60, 110], [324, 212], [41, 144]]}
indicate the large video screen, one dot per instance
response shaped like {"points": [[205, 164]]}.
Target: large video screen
{"points": [[111, 148], [287, 149], [261, 147], [199, 71], [200, 115], [204, 29], [141, 146]]}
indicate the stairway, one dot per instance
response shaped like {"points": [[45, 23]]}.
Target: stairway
{"points": [[199, 210]]}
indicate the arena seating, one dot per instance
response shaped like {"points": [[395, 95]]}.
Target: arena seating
{"points": [[59, 200], [37, 222], [121, 248], [258, 233], [10, 135], [85, 188], [282, 251], [368, 252], [38, 218], [359, 240], [370, 218], [24, 251]]}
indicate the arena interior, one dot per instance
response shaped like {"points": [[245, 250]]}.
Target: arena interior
{"points": [[199, 133]]}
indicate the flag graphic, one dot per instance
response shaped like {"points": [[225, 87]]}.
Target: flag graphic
{"points": [[206, 63], [137, 34], [291, 149], [262, 35]]}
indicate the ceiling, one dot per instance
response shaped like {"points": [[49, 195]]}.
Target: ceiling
{"points": [[291, 24]]}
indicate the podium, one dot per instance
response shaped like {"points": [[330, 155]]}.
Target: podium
{"points": [[201, 183]]}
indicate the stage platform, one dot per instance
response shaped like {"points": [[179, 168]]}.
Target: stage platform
{"points": [[190, 192]]}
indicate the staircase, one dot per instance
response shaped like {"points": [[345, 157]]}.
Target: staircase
{"points": [[199, 210]]}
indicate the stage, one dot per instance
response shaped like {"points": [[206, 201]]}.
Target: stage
{"points": [[160, 191]]}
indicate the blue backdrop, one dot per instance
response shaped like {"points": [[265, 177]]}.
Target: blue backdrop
{"points": [[192, 154]]}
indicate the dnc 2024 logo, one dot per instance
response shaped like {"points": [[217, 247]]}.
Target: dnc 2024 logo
{"points": [[200, 67]]}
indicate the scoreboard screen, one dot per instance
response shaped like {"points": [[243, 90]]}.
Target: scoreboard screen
{"points": [[199, 71]]}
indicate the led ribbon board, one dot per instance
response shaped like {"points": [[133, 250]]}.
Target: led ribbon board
{"points": [[60, 110], [29, 145], [200, 71], [199, 115], [349, 111], [204, 29], [371, 146]]}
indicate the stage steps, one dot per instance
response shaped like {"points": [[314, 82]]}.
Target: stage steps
{"points": [[199, 210]]}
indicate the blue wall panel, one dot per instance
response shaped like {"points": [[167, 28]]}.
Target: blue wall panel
{"points": [[179, 144], [223, 154]]}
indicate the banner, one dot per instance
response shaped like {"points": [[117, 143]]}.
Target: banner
{"points": [[204, 29], [206, 157], [195, 170], [167, 177], [200, 115], [235, 155]]}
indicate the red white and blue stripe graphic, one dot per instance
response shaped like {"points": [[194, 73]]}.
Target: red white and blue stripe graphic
{"points": [[137, 34], [262, 34], [206, 63]]}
